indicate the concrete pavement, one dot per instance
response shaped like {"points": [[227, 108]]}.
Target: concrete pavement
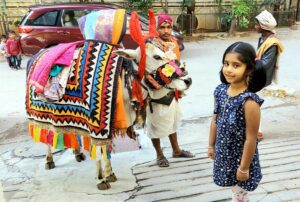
{"points": [[22, 162], [190, 180]]}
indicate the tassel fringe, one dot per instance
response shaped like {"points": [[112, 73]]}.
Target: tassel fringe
{"points": [[71, 140]]}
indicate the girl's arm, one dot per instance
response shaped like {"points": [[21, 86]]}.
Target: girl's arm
{"points": [[212, 131], [212, 137], [252, 116]]}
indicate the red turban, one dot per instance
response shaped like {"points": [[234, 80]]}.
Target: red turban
{"points": [[161, 18]]}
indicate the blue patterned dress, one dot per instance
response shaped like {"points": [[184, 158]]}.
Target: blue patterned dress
{"points": [[230, 139]]}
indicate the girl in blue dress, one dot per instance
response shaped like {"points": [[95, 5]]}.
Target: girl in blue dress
{"points": [[235, 122]]}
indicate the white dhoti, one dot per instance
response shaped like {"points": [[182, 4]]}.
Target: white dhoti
{"points": [[164, 120]]}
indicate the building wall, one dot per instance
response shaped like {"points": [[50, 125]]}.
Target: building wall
{"points": [[206, 11]]}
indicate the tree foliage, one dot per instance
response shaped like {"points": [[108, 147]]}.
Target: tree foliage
{"points": [[141, 6], [244, 11]]}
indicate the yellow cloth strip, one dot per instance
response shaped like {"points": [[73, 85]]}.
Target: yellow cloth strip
{"points": [[54, 140], [36, 132], [118, 25], [104, 152], [93, 152]]}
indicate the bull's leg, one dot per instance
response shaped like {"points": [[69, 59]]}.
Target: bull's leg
{"points": [[78, 155], [105, 176], [103, 183], [110, 176], [49, 160]]}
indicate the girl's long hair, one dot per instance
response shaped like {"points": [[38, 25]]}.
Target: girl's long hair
{"points": [[247, 56]]}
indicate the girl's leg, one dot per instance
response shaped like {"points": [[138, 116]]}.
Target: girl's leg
{"points": [[239, 194]]}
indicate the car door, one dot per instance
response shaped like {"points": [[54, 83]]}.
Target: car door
{"points": [[40, 32], [69, 30]]}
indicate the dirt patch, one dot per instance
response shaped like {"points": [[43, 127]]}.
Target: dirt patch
{"points": [[16, 130], [283, 96]]}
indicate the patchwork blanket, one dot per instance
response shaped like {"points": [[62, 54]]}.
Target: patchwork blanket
{"points": [[90, 94]]}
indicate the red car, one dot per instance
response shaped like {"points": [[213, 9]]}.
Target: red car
{"points": [[49, 25]]}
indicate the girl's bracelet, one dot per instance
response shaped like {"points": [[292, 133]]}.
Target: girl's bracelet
{"points": [[210, 147], [244, 172]]}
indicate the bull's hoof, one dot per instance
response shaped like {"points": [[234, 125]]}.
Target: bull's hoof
{"points": [[100, 176], [112, 178], [104, 185], [49, 165], [80, 157]]}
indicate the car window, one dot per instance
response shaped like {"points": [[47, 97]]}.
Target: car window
{"points": [[69, 17], [144, 26], [23, 21], [47, 19]]}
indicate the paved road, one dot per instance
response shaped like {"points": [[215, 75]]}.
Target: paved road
{"points": [[24, 178]]}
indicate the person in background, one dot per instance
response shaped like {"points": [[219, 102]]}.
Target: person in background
{"points": [[13, 48], [269, 48], [164, 28], [70, 20], [235, 122], [3, 49]]}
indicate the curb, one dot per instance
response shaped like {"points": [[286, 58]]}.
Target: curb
{"points": [[215, 35], [295, 29]]}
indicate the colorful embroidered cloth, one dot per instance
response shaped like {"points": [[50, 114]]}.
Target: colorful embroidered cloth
{"points": [[92, 108], [90, 94], [106, 25], [164, 75], [61, 54]]}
